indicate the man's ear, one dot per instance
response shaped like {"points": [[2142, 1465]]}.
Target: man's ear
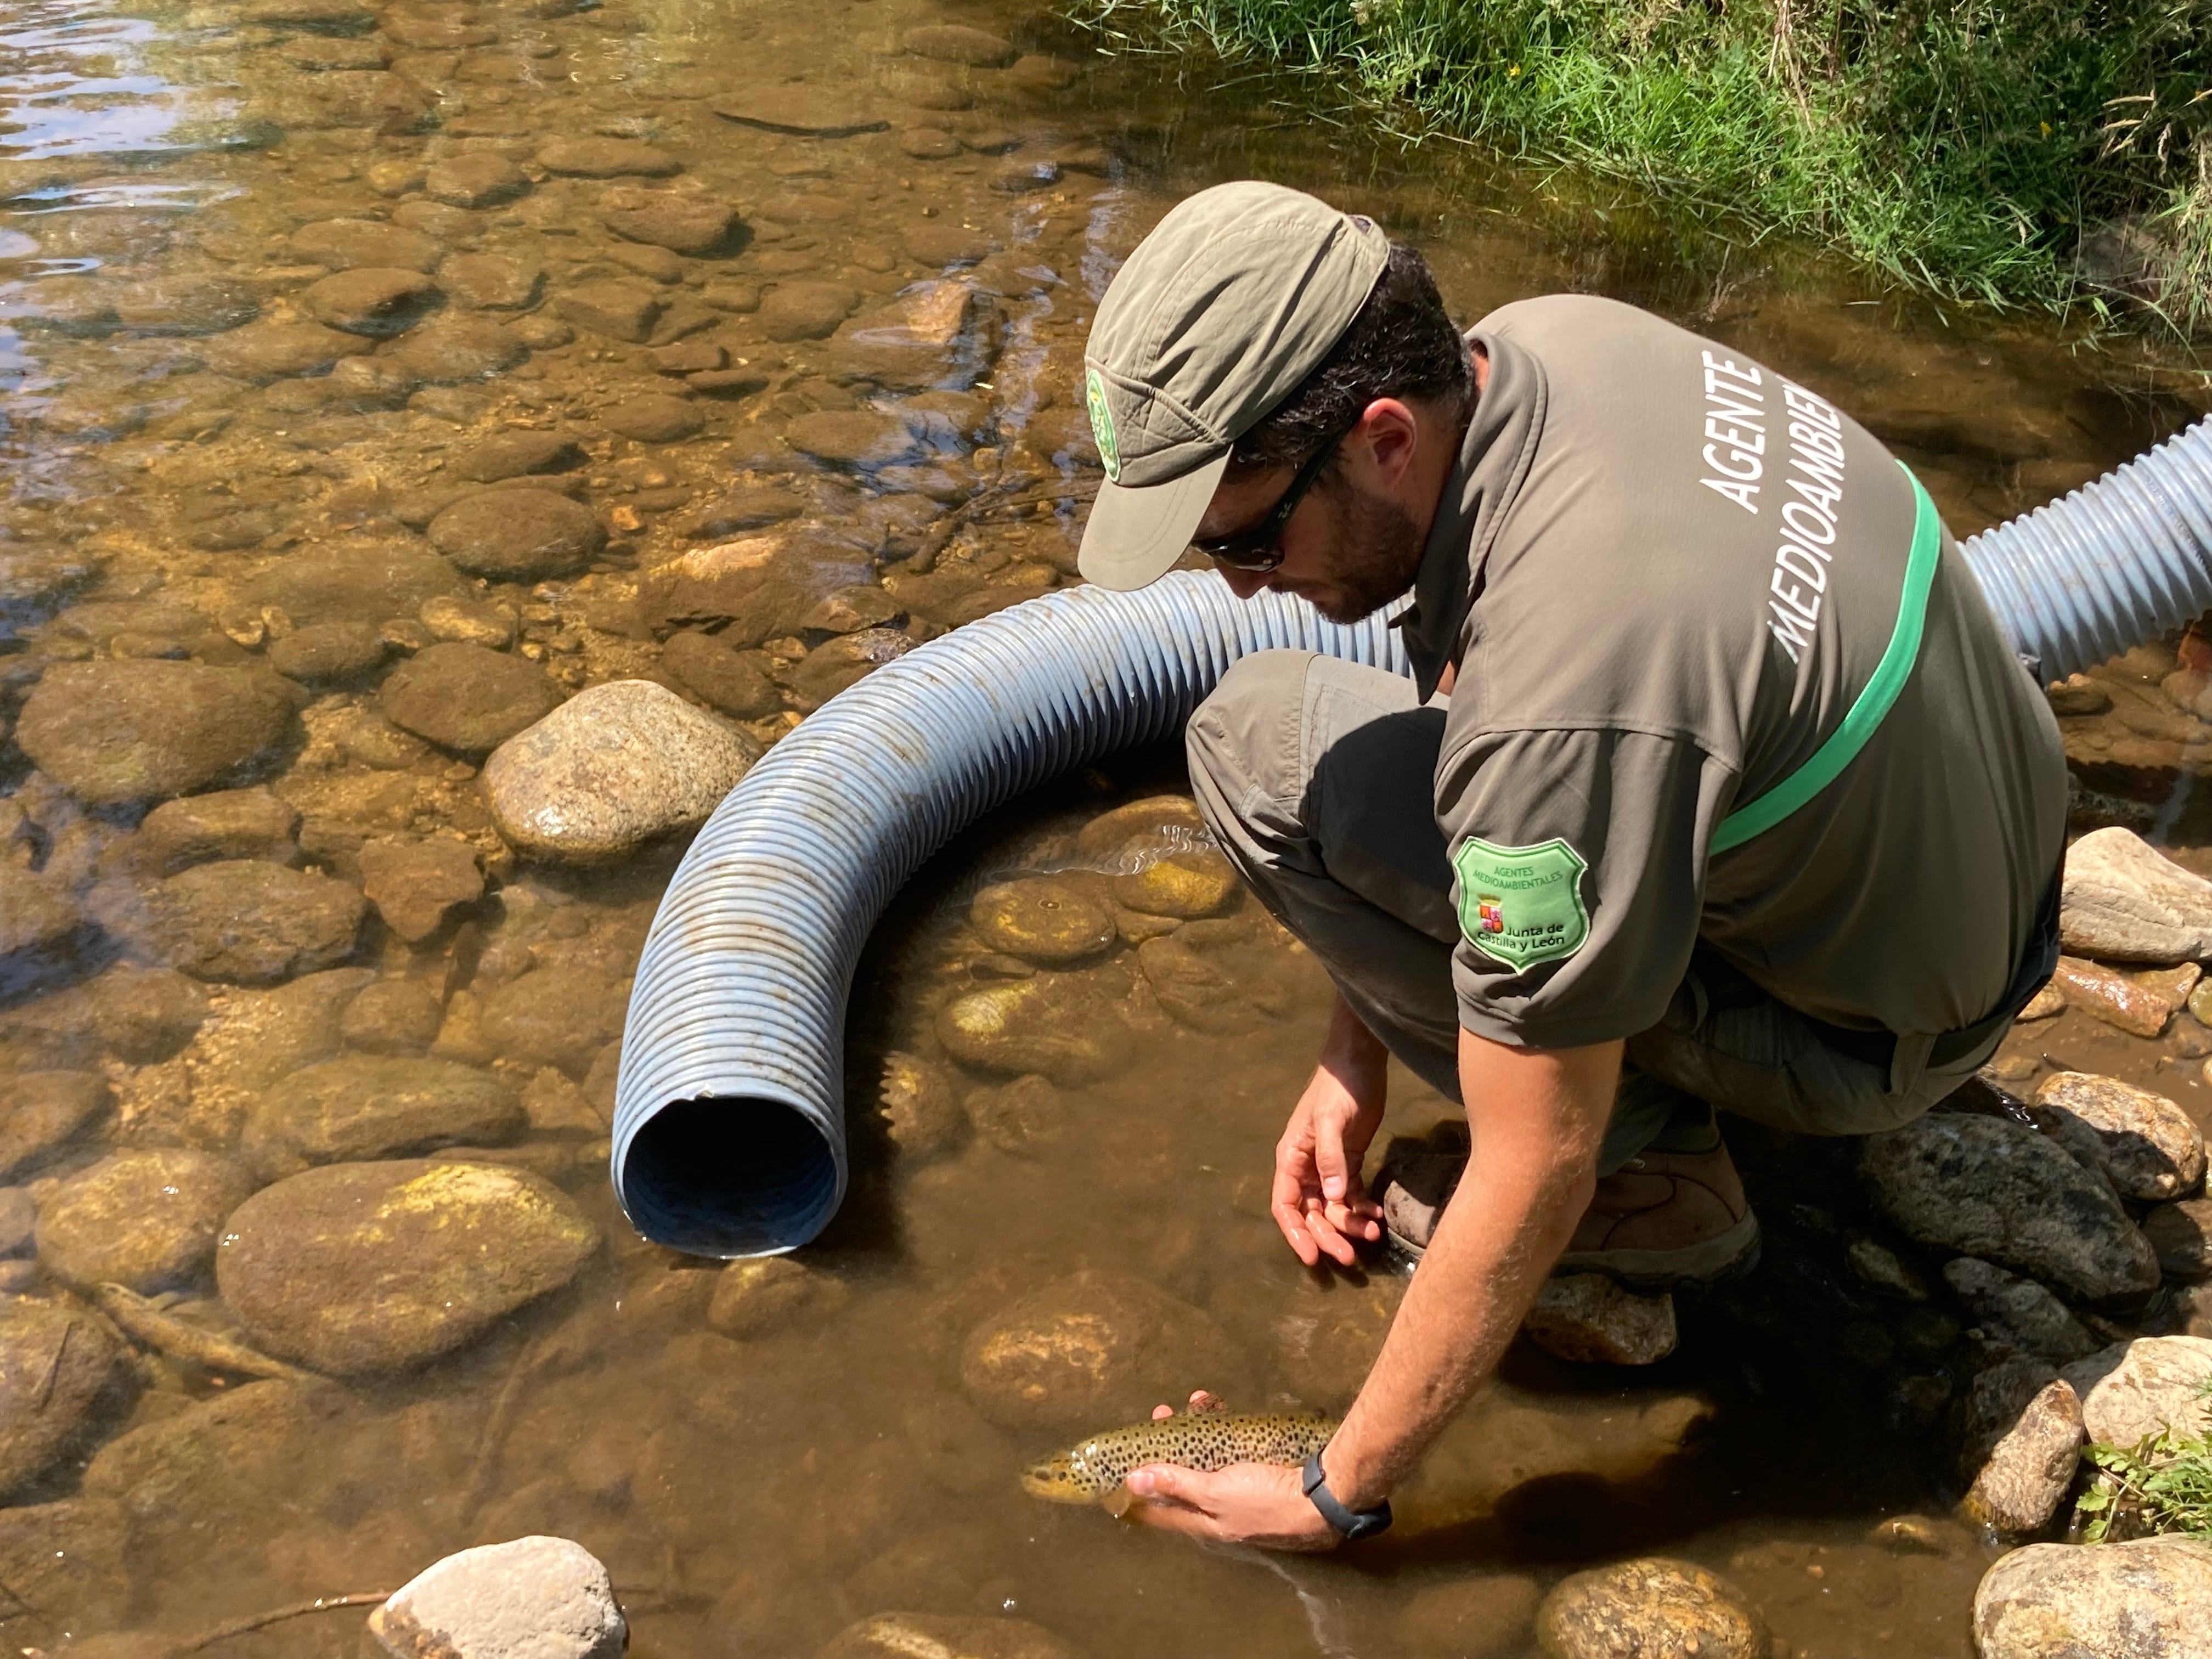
{"points": [[1390, 435]]}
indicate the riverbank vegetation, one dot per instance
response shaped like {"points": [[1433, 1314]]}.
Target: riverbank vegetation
{"points": [[2045, 153]]}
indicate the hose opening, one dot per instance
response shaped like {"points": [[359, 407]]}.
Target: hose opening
{"points": [[730, 1177]]}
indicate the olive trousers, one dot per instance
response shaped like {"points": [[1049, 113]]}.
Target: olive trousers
{"points": [[1318, 776]]}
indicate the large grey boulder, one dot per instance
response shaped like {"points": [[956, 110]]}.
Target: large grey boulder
{"points": [[2123, 901], [118, 732], [532, 1598], [2019, 1312], [1976, 1185], [614, 767], [2147, 1599]]}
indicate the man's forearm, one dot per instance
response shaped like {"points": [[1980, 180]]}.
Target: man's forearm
{"points": [[1348, 1049], [1536, 1120]]}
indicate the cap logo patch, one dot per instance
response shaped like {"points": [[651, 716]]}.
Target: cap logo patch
{"points": [[1102, 425], [1521, 905]]}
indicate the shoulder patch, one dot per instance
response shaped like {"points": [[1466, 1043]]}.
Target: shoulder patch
{"points": [[1521, 905]]}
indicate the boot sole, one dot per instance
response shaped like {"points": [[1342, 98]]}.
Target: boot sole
{"points": [[1729, 1255]]}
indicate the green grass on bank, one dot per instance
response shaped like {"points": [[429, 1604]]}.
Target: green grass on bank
{"points": [[2165, 1484], [1964, 146]]}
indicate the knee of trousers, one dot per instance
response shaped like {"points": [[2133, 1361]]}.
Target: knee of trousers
{"points": [[1246, 740]]}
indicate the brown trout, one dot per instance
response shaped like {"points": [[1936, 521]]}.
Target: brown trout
{"points": [[1206, 1441], [148, 1323]]}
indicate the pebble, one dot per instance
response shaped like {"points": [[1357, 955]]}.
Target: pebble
{"points": [[1186, 886], [243, 920], [490, 281], [274, 351], [2144, 1143], [474, 179], [348, 243], [687, 224], [354, 1268], [1021, 1117], [654, 418], [41, 1112], [370, 300], [118, 732], [2018, 1429], [735, 682], [1651, 1606], [519, 453], [807, 311], [328, 654], [226, 823], [55, 1364], [928, 143], [2138, 1388], [533, 1598], [470, 622], [1045, 920], [2018, 1312], [851, 611], [1082, 1352], [519, 534], [2182, 1236], [392, 1017], [1588, 1320], [146, 1220], [415, 884], [944, 1636], [357, 1108], [1984, 1186], [1486, 1615], [466, 698], [1057, 1025], [618, 310], [185, 305], [616, 766], [943, 245], [2149, 1598], [2123, 901], [919, 1107]]}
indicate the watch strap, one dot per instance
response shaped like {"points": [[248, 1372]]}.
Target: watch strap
{"points": [[1351, 1525]]}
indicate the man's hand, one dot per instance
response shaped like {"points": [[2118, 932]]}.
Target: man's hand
{"points": [[1262, 1503], [1318, 1201]]}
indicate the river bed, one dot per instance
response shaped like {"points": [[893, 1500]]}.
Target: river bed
{"points": [[283, 283]]}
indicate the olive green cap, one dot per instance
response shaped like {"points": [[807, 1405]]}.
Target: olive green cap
{"points": [[1232, 301]]}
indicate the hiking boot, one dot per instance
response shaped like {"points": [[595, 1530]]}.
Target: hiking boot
{"points": [[1662, 1220], [1666, 1218]]}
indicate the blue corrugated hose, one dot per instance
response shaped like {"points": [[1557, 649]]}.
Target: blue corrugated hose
{"points": [[729, 1119]]}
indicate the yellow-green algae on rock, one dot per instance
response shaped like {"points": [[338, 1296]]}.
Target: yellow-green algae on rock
{"points": [[361, 1268]]}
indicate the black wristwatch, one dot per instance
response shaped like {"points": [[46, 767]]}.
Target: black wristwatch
{"points": [[1351, 1525]]}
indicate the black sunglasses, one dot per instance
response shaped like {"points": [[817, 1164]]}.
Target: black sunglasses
{"points": [[1256, 549]]}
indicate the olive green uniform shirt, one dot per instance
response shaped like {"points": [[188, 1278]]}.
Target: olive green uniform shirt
{"points": [[1665, 571]]}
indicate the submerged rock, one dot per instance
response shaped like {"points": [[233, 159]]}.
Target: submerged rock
{"points": [[1985, 1186], [2019, 1311], [1184, 884], [944, 1636], [212, 1460], [534, 1598], [41, 1112], [355, 1268], [466, 698], [1654, 1607], [554, 1016], [2150, 1598], [121, 732], [2182, 1236], [1047, 919], [1058, 1024], [756, 1296], [415, 885], [358, 1109], [2124, 902], [65, 1561], [228, 823], [243, 920], [55, 1366], [146, 1220], [736, 683], [519, 534], [1090, 1351], [616, 766], [36, 917], [1587, 1319], [2146, 1144], [1483, 1616], [919, 1107]]}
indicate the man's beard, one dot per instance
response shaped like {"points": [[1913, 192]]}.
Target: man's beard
{"points": [[1374, 552]]}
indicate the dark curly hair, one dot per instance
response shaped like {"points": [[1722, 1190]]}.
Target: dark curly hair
{"points": [[1402, 343]]}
